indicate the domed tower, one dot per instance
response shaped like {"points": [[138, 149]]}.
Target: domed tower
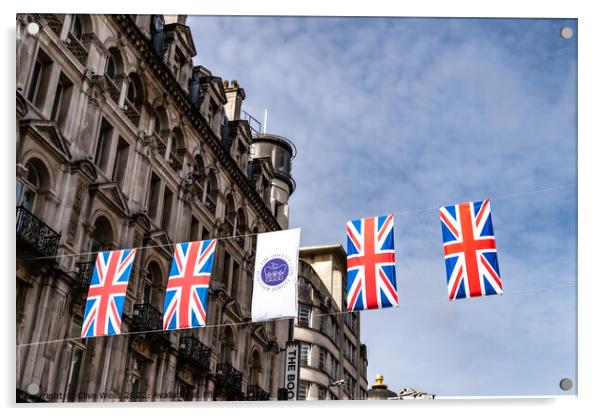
{"points": [[379, 390], [279, 184]]}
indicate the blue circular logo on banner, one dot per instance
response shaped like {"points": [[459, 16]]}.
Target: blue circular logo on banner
{"points": [[274, 272]]}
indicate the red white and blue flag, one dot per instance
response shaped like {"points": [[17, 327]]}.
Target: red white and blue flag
{"points": [[371, 264], [470, 250], [106, 295], [188, 285]]}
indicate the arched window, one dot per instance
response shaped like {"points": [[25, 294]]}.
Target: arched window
{"points": [[102, 238], [134, 98], [153, 286], [255, 368], [132, 92], [241, 222], [177, 149], [160, 127], [230, 214], [110, 70], [211, 192], [114, 68], [227, 347], [77, 27], [27, 189]]}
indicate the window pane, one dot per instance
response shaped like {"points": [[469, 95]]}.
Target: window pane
{"points": [[74, 367]]}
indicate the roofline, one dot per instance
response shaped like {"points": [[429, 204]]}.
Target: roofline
{"points": [[336, 249]]}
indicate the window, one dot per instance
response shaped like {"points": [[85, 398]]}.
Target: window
{"points": [[62, 99], [194, 229], [27, 190], [75, 363], [121, 161], [40, 77], [153, 195], [147, 289], [110, 70], [167, 204], [324, 327], [322, 359], [77, 28], [304, 353], [184, 391], [303, 388], [304, 315], [101, 238], [103, 145], [235, 278], [321, 393], [226, 270]]}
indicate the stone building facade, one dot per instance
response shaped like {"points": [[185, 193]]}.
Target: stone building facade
{"points": [[333, 359], [122, 142]]}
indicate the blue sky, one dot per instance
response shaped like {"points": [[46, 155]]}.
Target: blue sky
{"points": [[392, 115]]}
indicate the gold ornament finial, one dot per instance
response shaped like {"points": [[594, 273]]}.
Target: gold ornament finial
{"points": [[379, 379]]}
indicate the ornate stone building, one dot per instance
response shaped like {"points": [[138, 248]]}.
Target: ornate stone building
{"points": [[122, 142], [333, 359]]}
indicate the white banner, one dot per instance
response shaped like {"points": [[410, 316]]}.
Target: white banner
{"points": [[275, 279]]}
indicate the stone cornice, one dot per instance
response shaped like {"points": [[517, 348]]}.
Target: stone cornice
{"points": [[181, 99]]}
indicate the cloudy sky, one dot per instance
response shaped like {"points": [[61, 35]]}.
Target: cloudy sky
{"points": [[400, 115]]}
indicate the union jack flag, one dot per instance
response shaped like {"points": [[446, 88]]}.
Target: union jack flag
{"points": [[371, 264], [106, 294], [470, 250], [188, 285]]}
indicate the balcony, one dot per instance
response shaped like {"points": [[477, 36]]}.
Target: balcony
{"points": [[36, 234], [228, 226], [228, 377], [240, 240], [84, 274], [147, 318], [174, 162], [256, 393], [210, 204], [131, 112], [113, 89], [55, 23], [77, 48], [194, 351]]}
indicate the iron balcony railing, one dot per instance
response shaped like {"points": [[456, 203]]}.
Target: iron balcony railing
{"points": [[77, 48], [131, 112], [174, 162], [210, 204], [147, 318], [228, 377], [36, 233], [240, 240], [55, 22], [84, 273], [256, 393], [114, 89], [193, 350], [228, 226]]}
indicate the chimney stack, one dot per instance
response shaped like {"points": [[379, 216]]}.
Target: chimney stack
{"points": [[235, 96]]}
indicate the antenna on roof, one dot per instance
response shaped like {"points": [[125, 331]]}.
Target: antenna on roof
{"points": [[265, 121]]}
